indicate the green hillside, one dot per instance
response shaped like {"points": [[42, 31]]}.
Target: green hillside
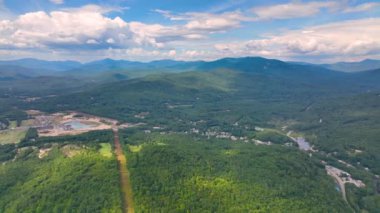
{"points": [[180, 173], [69, 176], [256, 105]]}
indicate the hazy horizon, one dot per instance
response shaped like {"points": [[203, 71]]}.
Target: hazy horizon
{"points": [[169, 59]]}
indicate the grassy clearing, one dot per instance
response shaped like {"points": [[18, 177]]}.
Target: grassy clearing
{"points": [[133, 148], [231, 152], [11, 136], [71, 150], [12, 124], [27, 122], [105, 150]]}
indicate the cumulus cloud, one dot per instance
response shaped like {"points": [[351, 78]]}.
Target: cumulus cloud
{"points": [[195, 26], [83, 28], [90, 32], [61, 29], [88, 27], [350, 38]]}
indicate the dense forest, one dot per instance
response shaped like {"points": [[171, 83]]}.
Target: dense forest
{"points": [[221, 98], [72, 176], [181, 174]]}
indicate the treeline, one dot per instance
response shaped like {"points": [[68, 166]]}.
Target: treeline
{"points": [[93, 137], [12, 115]]}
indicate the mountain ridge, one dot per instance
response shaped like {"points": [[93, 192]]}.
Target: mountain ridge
{"points": [[135, 68], [359, 66]]}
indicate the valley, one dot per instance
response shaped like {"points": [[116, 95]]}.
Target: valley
{"points": [[224, 140], [217, 106]]}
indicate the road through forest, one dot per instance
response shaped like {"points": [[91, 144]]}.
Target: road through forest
{"points": [[125, 184]]}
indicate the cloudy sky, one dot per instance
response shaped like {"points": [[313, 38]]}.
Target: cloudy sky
{"points": [[85, 30]]}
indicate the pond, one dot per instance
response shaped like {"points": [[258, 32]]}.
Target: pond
{"points": [[77, 125]]}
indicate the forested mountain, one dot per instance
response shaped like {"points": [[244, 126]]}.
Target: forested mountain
{"points": [[140, 69], [36, 64], [368, 64], [227, 96], [216, 106], [215, 114], [13, 72]]}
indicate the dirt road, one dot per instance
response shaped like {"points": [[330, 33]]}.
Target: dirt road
{"points": [[126, 188], [339, 182]]}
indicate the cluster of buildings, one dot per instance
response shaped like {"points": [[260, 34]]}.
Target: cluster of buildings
{"points": [[343, 176]]}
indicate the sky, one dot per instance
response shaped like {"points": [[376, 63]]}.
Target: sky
{"points": [[144, 30]]}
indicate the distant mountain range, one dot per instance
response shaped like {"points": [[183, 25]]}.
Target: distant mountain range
{"points": [[122, 69], [123, 65], [364, 65], [36, 64]]}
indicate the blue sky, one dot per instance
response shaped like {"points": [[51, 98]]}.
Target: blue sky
{"points": [[85, 30]]}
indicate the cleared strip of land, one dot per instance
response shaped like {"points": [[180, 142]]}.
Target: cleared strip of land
{"points": [[125, 184]]}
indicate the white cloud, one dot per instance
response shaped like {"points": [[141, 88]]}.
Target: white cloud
{"points": [[85, 27], [209, 22], [293, 9], [215, 22], [89, 33], [362, 7], [196, 26], [57, 1], [172, 53], [299, 9], [349, 38], [140, 54], [169, 15], [89, 27], [92, 41]]}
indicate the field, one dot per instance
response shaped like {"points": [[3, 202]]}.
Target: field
{"points": [[12, 136], [106, 150], [12, 124]]}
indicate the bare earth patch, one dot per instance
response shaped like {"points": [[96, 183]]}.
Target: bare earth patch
{"points": [[71, 150], [70, 123], [44, 152]]}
